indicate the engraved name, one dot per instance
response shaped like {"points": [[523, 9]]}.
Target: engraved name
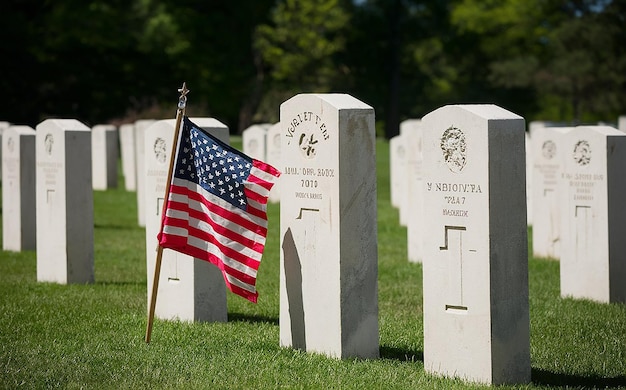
{"points": [[454, 187]]}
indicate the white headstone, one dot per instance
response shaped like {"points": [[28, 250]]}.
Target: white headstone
{"points": [[129, 165], [3, 126], [397, 170], [254, 140], [547, 151], [104, 156], [18, 189], [140, 131], [592, 190], [414, 199], [64, 202], [328, 237], [273, 157], [621, 123], [529, 177], [475, 268], [189, 289]]}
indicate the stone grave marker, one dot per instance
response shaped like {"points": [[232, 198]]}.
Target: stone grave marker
{"points": [[189, 289], [414, 199], [621, 123], [592, 192], [18, 189], [328, 237], [475, 267], [546, 150], [64, 202], [254, 140], [397, 170], [140, 131], [104, 153], [273, 158], [127, 149]]}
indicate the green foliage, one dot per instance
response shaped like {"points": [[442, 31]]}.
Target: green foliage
{"points": [[91, 336]]}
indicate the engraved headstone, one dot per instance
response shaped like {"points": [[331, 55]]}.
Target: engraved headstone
{"points": [[140, 158], [127, 149], [18, 189], [547, 151], [189, 289], [254, 140], [414, 200], [64, 202], [592, 193], [273, 157], [475, 267], [328, 237], [104, 155]]}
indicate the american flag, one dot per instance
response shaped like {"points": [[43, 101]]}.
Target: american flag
{"points": [[216, 209]]}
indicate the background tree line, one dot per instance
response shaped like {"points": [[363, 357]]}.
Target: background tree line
{"points": [[113, 61]]}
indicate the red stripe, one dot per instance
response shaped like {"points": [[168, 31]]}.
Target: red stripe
{"points": [[234, 216], [260, 182], [219, 229], [211, 239], [251, 194], [265, 167]]}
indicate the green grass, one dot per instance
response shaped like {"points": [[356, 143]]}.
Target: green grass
{"points": [[91, 336]]}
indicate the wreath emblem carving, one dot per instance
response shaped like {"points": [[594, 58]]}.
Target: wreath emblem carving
{"points": [[548, 149], [160, 150], [582, 153], [454, 149]]}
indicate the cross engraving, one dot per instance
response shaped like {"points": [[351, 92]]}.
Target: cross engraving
{"points": [[453, 246]]}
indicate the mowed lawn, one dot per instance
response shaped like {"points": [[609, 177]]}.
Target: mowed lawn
{"points": [[92, 336]]}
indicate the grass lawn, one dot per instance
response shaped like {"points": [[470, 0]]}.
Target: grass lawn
{"points": [[92, 336]]}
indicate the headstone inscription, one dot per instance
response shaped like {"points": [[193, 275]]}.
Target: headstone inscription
{"points": [[64, 202], [189, 289], [104, 141], [475, 267], [328, 237], [592, 192], [254, 140], [547, 151], [127, 148], [18, 189], [414, 202], [273, 158], [140, 158]]}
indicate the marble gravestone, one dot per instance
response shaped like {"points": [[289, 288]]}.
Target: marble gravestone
{"points": [[65, 242], [397, 170], [273, 158], [407, 129], [592, 191], [328, 236], [18, 189], [254, 140], [127, 151], [621, 123], [3, 126], [190, 289], [475, 267], [414, 201], [104, 153], [546, 165], [140, 131]]}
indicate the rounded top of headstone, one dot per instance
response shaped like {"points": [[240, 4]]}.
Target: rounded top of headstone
{"points": [[207, 123], [410, 125], [104, 127], [63, 124], [261, 128], [22, 129], [127, 126], [143, 124], [340, 101], [603, 130]]}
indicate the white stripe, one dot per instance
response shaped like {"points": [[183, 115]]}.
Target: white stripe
{"points": [[211, 248], [263, 175], [233, 280]]}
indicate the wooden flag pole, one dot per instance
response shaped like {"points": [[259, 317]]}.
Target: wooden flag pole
{"points": [[180, 112]]}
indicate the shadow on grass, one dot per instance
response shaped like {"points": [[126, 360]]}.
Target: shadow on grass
{"points": [[400, 354], [238, 317], [548, 378], [120, 283], [117, 227]]}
